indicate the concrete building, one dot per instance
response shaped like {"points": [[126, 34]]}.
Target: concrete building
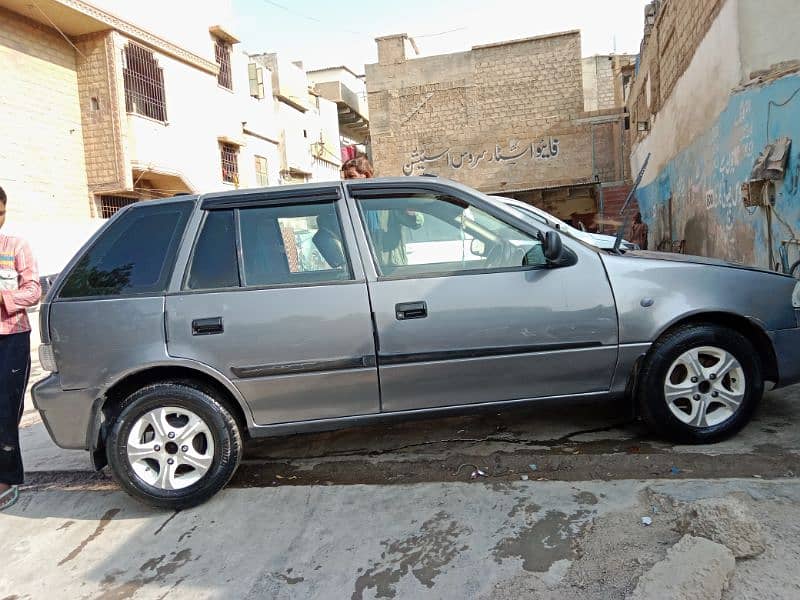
{"points": [[114, 102], [718, 83], [348, 91], [506, 118], [308, 123], [606, 80], [100, 111]]}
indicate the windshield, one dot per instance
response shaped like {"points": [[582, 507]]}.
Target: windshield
{"points": [[527, 212]]}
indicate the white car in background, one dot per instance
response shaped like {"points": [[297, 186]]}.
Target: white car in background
{"points": [[598, 240]]}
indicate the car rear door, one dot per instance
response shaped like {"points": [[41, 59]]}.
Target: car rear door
{"points": [[455, 327], [261, 304]]}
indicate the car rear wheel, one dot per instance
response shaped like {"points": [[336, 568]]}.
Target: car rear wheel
{"points": [[700, 384], [173, 445]]}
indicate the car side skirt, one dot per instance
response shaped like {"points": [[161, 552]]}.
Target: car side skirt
{"points": [[423, 413]]}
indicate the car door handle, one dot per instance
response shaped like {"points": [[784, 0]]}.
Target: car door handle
{"points": [[410, 310], [209, 326]]}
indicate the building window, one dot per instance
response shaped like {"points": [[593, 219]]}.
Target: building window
{"points": [[261, 171], [256, 76], [222, 52], [109, 205], [144, 83], [230, 163]]}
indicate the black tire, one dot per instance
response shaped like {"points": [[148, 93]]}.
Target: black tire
{"points": [[650, 389], [201, 401]]}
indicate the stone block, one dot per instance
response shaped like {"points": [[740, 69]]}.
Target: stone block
{"points": [[694, 569], [725, 521]]}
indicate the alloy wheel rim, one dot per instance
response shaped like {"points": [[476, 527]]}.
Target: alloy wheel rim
{"points": [[705, 387], [170, 448]]}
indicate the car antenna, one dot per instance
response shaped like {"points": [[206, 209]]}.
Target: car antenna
{"points": [[636, 183]]}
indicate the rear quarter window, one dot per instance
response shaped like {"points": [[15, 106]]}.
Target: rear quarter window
{"points": [[134, 255]]}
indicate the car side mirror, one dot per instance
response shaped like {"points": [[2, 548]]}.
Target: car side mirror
{"points": [[477, 247], [552, 247]]}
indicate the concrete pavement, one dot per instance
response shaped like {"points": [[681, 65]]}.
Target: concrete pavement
{"points": [[465, 540]]}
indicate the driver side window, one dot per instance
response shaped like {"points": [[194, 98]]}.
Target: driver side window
{"points": [[429, 234]]}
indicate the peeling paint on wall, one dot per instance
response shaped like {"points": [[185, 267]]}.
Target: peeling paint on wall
{"points": [[704, 181]]}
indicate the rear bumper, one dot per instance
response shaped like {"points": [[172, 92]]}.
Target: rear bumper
{"points": [[67, 415], [786, 343]]}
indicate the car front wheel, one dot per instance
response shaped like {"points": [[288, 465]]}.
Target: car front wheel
{"points": [[700, 384], [173, 445]]}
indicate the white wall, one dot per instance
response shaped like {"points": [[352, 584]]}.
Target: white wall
{"points": [[769, 32], [259, 114], [322, 170], [290, 81], [182, 22], [327, 123], [698, 97], [199, 111], [296, 144], [355, 84], [255, 146]]}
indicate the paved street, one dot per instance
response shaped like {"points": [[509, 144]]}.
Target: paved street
{"points": [[460, 540]]}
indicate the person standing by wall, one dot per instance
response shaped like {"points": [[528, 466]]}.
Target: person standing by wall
{"points": [[639, 231], [19, 289]]}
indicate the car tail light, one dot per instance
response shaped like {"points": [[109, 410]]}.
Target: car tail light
{"points": [[47, 358], [796, 295]]}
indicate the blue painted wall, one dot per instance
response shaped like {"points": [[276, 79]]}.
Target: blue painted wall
{"points": [[705, 179]]}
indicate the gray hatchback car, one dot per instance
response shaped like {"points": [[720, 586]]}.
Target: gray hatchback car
{"points": [[188, 324]]}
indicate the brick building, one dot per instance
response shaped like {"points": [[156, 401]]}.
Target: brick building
{"points": [[718, 83], [606, 79], [308, 123], [113, 102], [506, 118]]}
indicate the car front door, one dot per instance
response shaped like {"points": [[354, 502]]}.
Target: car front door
{"points": [[466, 308], [272, 299]]}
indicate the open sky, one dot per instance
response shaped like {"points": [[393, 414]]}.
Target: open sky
{"points": [[326, 33]]}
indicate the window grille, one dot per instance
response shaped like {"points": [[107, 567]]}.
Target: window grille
{"points": [[230, 163], [144, 83], [109, 205], [222, 52]]}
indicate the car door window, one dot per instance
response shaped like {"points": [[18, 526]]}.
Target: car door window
{"points": [[299, 244], [428, 234], [214, 262]]}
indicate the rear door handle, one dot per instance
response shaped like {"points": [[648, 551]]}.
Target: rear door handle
{"points": [[410, 310], [209, 326]]}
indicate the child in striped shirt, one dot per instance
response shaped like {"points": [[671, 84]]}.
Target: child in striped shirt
{"points": [[19, 289]]}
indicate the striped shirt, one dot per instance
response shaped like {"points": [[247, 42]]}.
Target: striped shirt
{"points": [[17, 259]]}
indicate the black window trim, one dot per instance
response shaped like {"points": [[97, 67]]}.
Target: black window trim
{"points": [[90, 245], [236, 208], [272, 198]]}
